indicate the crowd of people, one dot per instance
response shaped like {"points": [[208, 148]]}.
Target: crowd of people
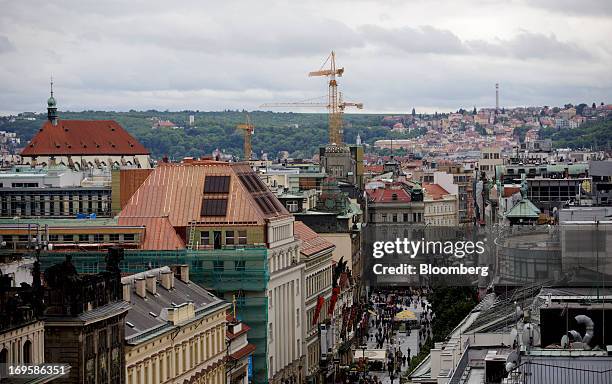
{"points": [[384, 327]]}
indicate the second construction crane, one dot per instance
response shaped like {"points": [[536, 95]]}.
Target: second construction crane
{"points": [[335, 105], [248, 129]]}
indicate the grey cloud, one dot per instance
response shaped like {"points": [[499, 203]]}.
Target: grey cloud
{"points": [[528, 45], [5, 45], [583, 8], [428, 39], [423, 39]]}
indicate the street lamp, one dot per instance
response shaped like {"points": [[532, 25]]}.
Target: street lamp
{"points": [[363, 359]]}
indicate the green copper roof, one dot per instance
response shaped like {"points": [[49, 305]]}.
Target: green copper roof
{"points": [[524, 209]]}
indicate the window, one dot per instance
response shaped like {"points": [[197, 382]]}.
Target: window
{"points": [[216, 184], [292, 206], [242, 237], [239, 265], [395, 218], [83, 238], [205, 238], [98, 238], [214, 207], [218, 265], [53, 238], [297, 317], [405, 217], [229, 237], [128, 237], [113, 237]]}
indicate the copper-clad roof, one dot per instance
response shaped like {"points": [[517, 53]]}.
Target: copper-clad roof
{"points": [[130, 180], [159, 233], [83, 137], [312, 243], [176, 190]]}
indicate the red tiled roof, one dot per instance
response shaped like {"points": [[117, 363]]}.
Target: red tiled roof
{"points": [[242, 352], [159, 233], [176, 190], [374, 168], [312, 243], [386, 195], [435, 190], [83, 137], [243, 329]]}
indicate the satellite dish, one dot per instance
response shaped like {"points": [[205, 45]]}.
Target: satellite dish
{"points": [[531, 335], [512, 361], [513, 333], [565, 342]]}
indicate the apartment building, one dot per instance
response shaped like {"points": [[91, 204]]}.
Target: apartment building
{"points": [[175, 330]]}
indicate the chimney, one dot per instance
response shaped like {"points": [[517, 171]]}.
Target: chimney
{"points": [[127, 290], [184, 273], [140, 287], [167, 279], [151, 284]]}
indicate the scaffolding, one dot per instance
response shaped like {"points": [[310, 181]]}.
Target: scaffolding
{"points": [[240, 271]]}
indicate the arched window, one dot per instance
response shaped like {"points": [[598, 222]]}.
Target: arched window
{"points": [[3, 362], [27, 352]]}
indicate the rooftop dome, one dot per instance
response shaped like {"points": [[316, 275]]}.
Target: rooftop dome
{"points": [[51, 102]]}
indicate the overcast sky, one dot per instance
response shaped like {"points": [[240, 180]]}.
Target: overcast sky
{"points": [[214, 55]]}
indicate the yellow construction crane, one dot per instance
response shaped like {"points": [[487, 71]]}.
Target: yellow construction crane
{"points": [[334, 105], [248, 129]]}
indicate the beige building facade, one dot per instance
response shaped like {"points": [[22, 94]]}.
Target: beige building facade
{"points": [[175, 330]]}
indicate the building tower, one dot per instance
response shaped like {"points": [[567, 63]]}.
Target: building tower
{"points": [[52, 107], [496, 98]]}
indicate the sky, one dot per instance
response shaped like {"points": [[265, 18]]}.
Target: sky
{"points": [[430, 55]]}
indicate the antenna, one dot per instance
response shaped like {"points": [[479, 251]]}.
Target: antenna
{"points": [[51, 85]]}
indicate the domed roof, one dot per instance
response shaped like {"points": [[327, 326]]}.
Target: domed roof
{"points": [[51, 102]]}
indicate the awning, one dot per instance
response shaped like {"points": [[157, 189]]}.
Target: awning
{"points": [[405, 315]]}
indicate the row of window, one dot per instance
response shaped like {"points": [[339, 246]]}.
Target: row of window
{"points": [[415, 217], [231, 238], [187, 356], [219, 265], [438, 208], [319, 281], [80, 238]]}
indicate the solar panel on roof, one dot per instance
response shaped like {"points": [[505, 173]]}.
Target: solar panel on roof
{"points": [[214, 207], [252, 183], [216, 184]]}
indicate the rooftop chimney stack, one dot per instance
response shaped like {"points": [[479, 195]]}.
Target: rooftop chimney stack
{"points": [[167, 280], [141, 289], [127, 291], [151, 284], [184, 273]]}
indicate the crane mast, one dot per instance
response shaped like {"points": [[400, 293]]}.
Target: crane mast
{"points": [[335, 105], [248, 129]]}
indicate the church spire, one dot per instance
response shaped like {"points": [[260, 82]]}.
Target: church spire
{"points": [[52, 107]]}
